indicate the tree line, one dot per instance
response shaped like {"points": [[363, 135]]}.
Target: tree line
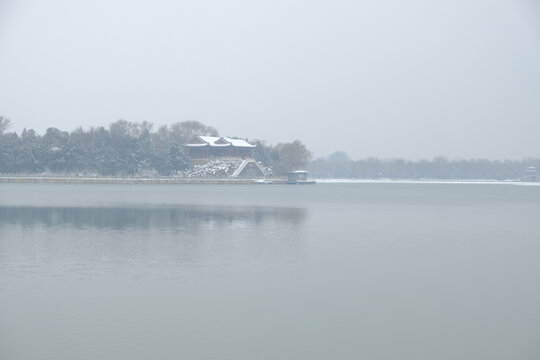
{"points": [[124, 148], [135, 148], [338, 165]]}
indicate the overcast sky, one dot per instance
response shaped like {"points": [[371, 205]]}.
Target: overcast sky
{"points": [[395, 78]]}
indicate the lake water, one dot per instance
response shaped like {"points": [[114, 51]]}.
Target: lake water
{"points": [[331, 271]]}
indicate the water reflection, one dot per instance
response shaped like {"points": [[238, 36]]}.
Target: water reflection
{"points": [[160, 242], [188, 216]]}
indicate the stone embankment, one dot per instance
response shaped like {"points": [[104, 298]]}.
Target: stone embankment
{"points": [[119, 180]]}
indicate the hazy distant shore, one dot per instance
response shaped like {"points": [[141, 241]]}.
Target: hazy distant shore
{"points": [[151, 180], [428, 181]]}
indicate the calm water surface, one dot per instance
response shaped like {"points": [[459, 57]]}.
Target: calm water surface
{"points": [[332, 271]]}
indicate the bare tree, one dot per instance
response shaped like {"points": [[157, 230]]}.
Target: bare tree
{"points": [[5, 124], [182, 132], [292, 156]]}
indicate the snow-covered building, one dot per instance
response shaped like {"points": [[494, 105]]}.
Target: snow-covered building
{"points": [[202, 149]]}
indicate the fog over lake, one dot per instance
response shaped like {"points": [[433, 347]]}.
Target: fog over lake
{"points": [[345, 271], [157, 198]]}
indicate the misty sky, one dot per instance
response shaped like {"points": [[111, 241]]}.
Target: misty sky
{"points": [[412, 79]]}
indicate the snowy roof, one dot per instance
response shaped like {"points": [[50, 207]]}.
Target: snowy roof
{"points": [[217, 141]]}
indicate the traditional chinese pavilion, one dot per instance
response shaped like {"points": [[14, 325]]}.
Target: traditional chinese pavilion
{"points": [[204, 148]]}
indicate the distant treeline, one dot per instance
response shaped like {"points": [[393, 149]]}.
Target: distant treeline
{"points": [[339, 166], [123, 148], [131, 148]]}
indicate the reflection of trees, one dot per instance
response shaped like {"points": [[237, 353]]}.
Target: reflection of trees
{"points": [[147, 217]]}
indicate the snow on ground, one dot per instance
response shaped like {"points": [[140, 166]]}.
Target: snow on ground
{"points": [[215, 169], [428, 181], [212, 169]]}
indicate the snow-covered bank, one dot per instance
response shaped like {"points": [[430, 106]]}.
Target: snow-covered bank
{"points": [[216, 169], [427, 181]]}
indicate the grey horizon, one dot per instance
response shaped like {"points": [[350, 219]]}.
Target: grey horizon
{"points": [[413, 80]]}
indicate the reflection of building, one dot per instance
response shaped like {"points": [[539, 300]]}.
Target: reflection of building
{"points": [[201, 149]]}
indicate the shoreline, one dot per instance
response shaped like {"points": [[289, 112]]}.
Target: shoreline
{"points": [[125, 180], [225, 181], [429, 181]]}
